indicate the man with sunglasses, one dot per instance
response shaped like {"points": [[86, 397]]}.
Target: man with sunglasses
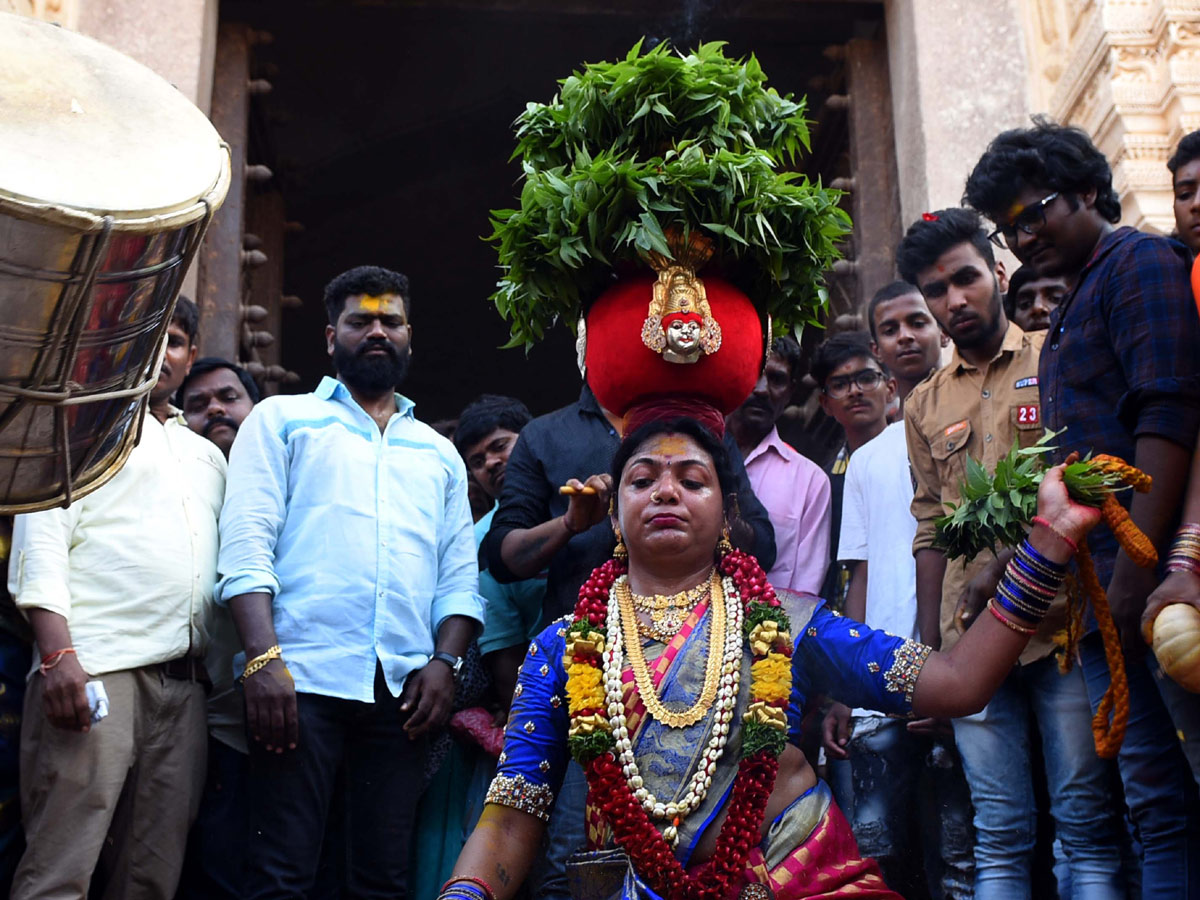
{"points": [[1120, 373], [979, 405]]}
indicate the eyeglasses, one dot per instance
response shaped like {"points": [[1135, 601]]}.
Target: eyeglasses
{"points": [[1030, 221], [867, 380]]}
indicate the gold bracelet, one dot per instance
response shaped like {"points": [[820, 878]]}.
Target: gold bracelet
{"points": [[260, 662]]}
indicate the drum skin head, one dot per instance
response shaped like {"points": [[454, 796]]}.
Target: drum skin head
{"points": [[87, 128]]}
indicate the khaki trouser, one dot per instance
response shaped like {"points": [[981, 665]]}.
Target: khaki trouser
{"points": [[119, 798]]}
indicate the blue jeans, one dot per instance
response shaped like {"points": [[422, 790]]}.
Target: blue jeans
{"points": [[566, 833], [1184, 707], [995, 748], [904, 785], [1159, 789]]}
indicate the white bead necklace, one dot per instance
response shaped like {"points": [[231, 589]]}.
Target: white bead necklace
{"points": [[731, 672]]}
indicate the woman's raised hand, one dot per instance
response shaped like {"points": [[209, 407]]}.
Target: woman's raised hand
{"points": [[1068, 518]]}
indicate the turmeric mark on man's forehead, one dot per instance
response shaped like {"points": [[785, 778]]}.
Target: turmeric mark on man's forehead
{"points": [[384, 304]]}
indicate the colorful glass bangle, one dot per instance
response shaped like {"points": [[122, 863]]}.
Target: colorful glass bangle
{"points": [[1007, 598], [1177, 564], [1012, 607], [1030, 585], [465, 881], [462, 892], [1008, 623], [1048, 581], [1028, 551]]}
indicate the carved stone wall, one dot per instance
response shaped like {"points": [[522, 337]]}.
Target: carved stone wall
{"points": [[1128, 73]]}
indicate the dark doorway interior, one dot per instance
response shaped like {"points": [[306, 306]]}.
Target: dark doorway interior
{"points": [[388, 132]]}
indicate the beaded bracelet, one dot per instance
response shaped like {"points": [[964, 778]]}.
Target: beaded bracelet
{"points": [[1009, 623], [1045, 523], [260, 662]]}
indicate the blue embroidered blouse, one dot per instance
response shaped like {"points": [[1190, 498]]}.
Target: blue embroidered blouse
{"points": [[832, 654]]}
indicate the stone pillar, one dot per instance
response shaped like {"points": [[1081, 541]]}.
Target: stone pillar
{"points": [[959, 75]]}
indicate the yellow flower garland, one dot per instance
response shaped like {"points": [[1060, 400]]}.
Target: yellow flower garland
{"points": [[771, 678], [585, 687]]}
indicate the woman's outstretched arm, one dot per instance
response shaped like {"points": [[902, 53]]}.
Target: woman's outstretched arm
{"points": [[500, 850], [961, 681]]}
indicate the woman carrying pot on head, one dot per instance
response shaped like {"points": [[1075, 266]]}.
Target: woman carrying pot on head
{"points": [[681, 676]]}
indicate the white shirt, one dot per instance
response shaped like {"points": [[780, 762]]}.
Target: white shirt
{"points": [[132, 565], [878, 526]]}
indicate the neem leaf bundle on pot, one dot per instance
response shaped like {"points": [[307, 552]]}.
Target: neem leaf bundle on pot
{"points": [[660, 143]]}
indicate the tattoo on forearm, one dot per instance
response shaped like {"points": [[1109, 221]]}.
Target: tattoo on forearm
{"points": [[501, 874]]}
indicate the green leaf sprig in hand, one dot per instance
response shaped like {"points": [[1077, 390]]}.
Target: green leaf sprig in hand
{"points": [[997, 510]]}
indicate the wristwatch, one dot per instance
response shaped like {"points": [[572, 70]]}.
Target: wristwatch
{"points": [[454, 662]]}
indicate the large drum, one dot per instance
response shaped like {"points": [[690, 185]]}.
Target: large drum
{"points": [[108, 179]]}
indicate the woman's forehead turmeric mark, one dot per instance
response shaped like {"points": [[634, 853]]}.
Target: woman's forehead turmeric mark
{"points": [[670, 445]]}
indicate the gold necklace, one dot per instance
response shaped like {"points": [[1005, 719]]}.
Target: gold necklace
{"points": [[668, 612], [641, 672]]}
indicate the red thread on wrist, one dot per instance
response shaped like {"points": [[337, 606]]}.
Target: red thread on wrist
{"points": [[50, 660], [1038, 520]]}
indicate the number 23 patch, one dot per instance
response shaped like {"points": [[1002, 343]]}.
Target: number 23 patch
{"points": [[1027, 414]]}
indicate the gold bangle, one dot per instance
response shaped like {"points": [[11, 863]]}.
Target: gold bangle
{"points": [[260, 662]]}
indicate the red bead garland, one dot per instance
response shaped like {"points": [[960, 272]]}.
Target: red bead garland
{"points": [[648, 851]]}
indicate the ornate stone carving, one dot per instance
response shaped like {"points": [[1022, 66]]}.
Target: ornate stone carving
{"points": [[1128, 73]]}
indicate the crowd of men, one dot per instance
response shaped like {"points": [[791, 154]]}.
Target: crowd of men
{"points": [[373, 583]]}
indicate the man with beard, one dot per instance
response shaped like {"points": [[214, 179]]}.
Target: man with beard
{"points": [[349, 566], [1119, 373], [793, 489], [216, 396], [979, 404]]}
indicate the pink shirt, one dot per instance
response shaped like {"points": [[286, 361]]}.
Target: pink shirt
{"points": [[796, 494]]}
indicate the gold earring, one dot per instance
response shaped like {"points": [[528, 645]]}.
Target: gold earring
{"points": [[619, 552], [724, 546]]}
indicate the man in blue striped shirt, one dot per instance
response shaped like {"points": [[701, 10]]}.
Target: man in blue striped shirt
{"points": [[348, 563]]}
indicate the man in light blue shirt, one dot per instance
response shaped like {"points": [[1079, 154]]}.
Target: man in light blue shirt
{"points": [[348, 564]]}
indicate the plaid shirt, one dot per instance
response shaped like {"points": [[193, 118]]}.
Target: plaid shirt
{"points": [[1122, 358]]}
